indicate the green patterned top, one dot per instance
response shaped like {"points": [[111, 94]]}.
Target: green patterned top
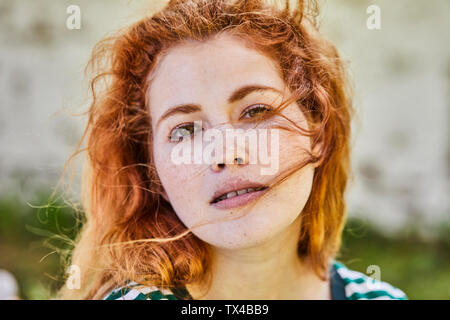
{"points": [[345, 284]]}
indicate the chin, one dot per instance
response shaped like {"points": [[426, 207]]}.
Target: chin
{"points": [[240, 233]]}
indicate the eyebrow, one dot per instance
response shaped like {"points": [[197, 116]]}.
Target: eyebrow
{"points": [[237, 95]]}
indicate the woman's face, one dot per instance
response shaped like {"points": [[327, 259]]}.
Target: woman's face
{"points": [[205, 75]]}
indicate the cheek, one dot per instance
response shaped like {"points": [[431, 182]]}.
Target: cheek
{"points": [[288, 199], [176, 179], [293, 145], [292, 194], [292, 151], [179, 181]]}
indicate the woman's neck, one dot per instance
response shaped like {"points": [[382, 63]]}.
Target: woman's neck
{"points": [[268, 271]]}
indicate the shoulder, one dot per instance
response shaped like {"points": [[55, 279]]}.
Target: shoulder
{"points": [[359, 286], [134, 291]]}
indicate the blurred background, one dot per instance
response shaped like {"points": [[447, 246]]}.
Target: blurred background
{"points": [[398, 202]]}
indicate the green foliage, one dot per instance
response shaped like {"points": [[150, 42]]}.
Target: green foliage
{"points": [[421, 268], [34, 239]]}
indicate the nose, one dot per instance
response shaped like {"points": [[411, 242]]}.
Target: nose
{"points": [[236, 155], [239, 161]]}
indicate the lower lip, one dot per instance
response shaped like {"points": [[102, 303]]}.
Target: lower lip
{"points": [[239, 201]]}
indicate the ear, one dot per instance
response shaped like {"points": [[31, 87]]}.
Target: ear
{"points": [[315, 152]]}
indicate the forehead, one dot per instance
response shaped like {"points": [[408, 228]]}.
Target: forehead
{"points": [[207, 72]]}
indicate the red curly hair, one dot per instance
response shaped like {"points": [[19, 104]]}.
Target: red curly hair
{"points": [[123, 200]]}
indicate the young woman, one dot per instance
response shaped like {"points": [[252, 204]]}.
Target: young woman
{"points": [[158, 228]]}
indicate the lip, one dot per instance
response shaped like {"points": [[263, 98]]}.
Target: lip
{"points": [[239, 200]]}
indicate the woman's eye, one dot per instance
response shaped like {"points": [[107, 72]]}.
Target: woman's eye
{"points": [[255, 111], [177, 134]]}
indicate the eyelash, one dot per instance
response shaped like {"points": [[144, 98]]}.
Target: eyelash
{"points": [[252, 107], [257, 106]]}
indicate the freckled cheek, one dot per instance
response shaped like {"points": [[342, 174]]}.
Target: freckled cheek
{"points": [[184, 189], [178, 180], [292, 146]]}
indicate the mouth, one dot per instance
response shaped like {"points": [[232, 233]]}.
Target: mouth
{"points": [[237, 198], [236, 193]]}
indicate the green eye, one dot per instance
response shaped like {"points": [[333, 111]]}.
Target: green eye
{"points": [[183, 130], [255, 111]]}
